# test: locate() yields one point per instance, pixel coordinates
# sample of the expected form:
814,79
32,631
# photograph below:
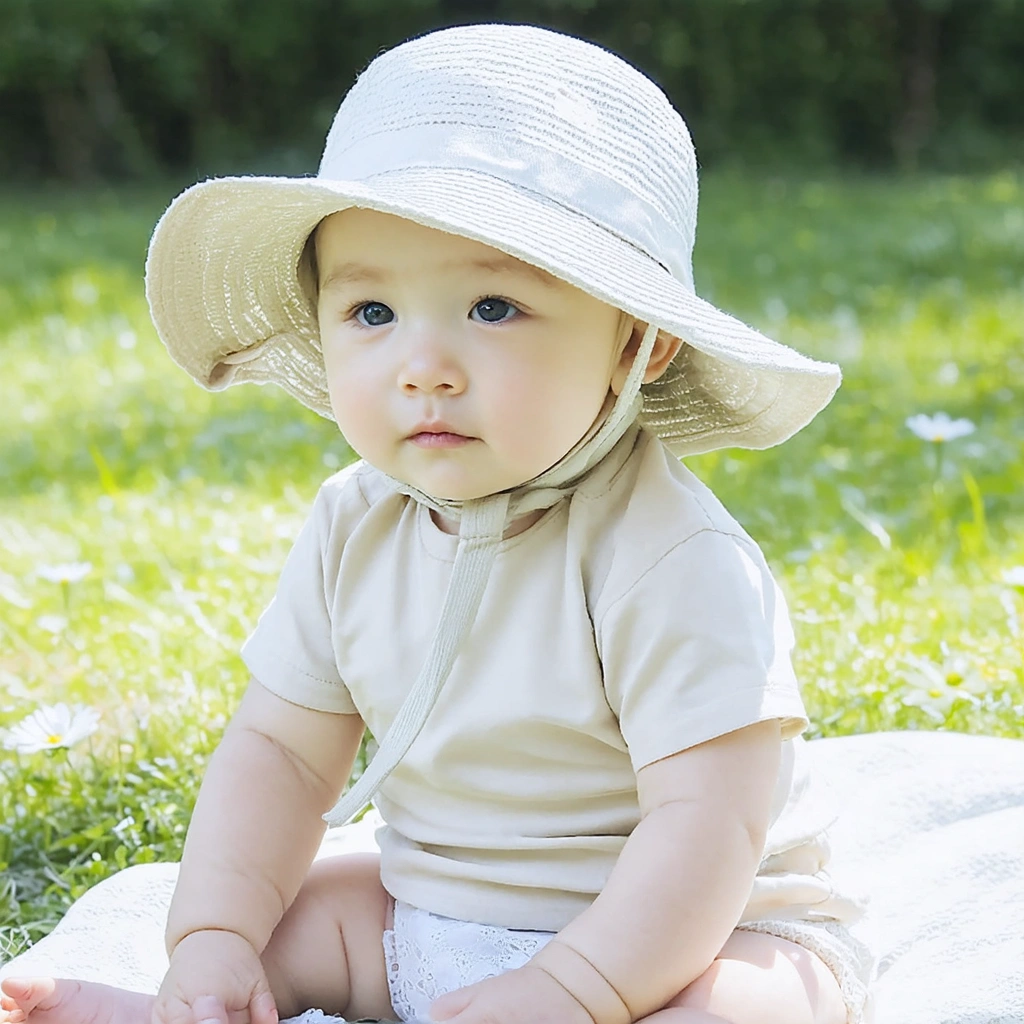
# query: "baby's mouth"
439,439
437,433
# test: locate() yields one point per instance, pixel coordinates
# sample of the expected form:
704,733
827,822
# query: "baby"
577,663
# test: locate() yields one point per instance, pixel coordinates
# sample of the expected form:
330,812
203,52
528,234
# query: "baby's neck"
517,526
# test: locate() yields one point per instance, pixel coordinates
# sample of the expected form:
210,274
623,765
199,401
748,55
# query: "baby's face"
425,331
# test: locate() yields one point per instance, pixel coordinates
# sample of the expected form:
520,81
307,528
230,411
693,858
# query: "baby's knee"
347,876
767,980
340,895
327,949
702,992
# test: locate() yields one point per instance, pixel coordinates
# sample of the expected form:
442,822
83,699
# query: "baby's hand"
215,977
524,996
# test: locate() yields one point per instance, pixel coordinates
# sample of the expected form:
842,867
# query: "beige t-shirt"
634,619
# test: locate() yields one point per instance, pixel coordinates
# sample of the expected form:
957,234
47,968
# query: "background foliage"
126,88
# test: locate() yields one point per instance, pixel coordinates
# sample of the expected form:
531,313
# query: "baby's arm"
254,832
257,821
681,882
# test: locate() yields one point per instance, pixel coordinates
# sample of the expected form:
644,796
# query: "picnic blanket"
932,827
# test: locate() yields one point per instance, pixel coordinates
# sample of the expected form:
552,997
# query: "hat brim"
224,292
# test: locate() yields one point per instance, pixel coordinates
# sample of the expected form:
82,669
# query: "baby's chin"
456,482
470,491
460,493
456,491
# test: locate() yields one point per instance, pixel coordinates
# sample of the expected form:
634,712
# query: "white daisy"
50,727
65,572
939,428
935,688
52,623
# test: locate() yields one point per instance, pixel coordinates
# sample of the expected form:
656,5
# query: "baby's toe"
10,1011
36,999
18,996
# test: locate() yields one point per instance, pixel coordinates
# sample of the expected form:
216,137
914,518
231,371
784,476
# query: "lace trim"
428,955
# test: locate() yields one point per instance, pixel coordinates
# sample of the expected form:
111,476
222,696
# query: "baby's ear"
665,348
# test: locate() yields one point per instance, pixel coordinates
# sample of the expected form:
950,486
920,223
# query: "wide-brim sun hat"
538,144
544,146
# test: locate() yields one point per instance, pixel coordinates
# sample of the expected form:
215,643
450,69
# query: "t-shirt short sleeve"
698,647
290,651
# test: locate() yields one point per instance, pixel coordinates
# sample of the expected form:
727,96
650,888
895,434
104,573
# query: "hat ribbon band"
550,175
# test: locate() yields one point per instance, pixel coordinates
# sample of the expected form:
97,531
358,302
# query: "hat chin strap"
482,523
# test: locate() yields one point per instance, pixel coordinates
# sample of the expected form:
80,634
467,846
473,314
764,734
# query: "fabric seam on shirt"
726,701
288,694
273,656
661,558
358,474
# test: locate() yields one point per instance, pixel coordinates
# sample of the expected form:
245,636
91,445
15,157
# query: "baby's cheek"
359,412
543,433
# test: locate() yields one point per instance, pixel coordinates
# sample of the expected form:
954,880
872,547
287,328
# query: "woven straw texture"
541,145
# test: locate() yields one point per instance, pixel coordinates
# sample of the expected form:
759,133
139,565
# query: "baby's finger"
171,1011
263,1009
452,1004
209,1010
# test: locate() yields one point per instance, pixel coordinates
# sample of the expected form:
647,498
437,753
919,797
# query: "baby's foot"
59,1001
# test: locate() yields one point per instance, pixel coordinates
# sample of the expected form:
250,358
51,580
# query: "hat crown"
556,115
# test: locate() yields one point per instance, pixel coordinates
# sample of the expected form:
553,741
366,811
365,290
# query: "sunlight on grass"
900,556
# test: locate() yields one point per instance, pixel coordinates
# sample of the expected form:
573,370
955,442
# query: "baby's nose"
430,366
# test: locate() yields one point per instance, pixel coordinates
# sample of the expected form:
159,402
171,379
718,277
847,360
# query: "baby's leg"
327,952
759,979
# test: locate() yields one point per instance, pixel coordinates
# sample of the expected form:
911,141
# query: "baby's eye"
374,314
493,311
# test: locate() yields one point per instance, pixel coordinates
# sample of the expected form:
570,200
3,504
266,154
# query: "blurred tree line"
131,88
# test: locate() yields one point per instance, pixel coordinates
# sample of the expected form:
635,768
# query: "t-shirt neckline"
444,545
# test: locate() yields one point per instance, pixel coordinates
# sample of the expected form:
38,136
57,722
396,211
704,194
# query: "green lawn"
891,549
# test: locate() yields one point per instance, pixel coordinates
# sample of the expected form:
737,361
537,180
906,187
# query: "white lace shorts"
428,955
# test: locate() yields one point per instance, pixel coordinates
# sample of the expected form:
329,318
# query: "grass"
891,549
